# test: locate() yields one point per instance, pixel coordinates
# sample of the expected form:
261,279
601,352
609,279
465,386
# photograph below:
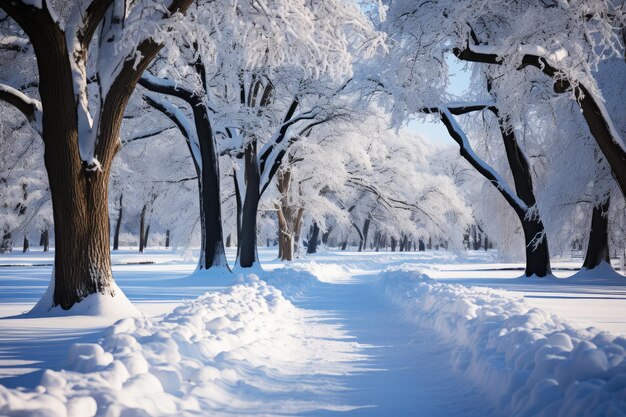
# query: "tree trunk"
145,237
118,224
229,241
248,253
313,241
394,242
46,239
239,210
326,235
212,247
598,246
366,228
360,236
142,223
25,245
537,254
79,191
167,238
344,245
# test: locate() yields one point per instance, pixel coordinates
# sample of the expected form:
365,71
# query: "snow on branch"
166,86
182,122
31,108
457,133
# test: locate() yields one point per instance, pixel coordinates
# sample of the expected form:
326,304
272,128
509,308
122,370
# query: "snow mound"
528,362
103,305
292,280
224,353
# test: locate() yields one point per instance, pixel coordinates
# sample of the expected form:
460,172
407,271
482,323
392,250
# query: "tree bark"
248,252
142,225
313,241
537,251
118,224
598,245
366,228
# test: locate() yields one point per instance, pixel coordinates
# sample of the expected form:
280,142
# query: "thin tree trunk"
145,237
598,245
537,252
394,242
366,228
118,224
46,239
167,238
25,245
142,223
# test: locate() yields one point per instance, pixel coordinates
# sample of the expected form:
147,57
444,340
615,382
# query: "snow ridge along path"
528,362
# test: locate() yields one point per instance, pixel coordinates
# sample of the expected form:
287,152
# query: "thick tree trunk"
79,192
118,224
82,263
313,241
248,253
598,245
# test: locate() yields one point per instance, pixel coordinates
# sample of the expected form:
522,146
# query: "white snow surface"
220,352
337,333
527,361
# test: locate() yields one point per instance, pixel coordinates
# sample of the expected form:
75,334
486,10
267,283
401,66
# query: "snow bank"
528,362
224,350
98,304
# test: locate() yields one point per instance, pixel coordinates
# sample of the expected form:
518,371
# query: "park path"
406,371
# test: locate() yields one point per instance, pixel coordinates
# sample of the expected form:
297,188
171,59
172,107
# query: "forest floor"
344,341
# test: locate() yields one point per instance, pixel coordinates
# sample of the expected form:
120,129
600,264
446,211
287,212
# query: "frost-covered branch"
181,121
168,87
31,108
457,133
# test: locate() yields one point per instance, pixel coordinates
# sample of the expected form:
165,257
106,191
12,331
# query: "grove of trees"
240,123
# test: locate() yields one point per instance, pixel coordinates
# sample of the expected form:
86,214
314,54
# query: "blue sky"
433,131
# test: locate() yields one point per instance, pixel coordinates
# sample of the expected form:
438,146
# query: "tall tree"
80,131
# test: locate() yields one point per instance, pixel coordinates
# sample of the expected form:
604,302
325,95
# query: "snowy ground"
339,346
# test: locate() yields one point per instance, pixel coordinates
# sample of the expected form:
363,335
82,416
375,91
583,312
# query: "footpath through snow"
353,343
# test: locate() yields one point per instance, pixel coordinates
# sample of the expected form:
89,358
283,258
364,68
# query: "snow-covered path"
343,346
407,371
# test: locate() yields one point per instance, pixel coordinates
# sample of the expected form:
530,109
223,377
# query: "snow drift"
528,362
223,353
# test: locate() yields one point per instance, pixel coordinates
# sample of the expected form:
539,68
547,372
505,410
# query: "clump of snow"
528,362
224,351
